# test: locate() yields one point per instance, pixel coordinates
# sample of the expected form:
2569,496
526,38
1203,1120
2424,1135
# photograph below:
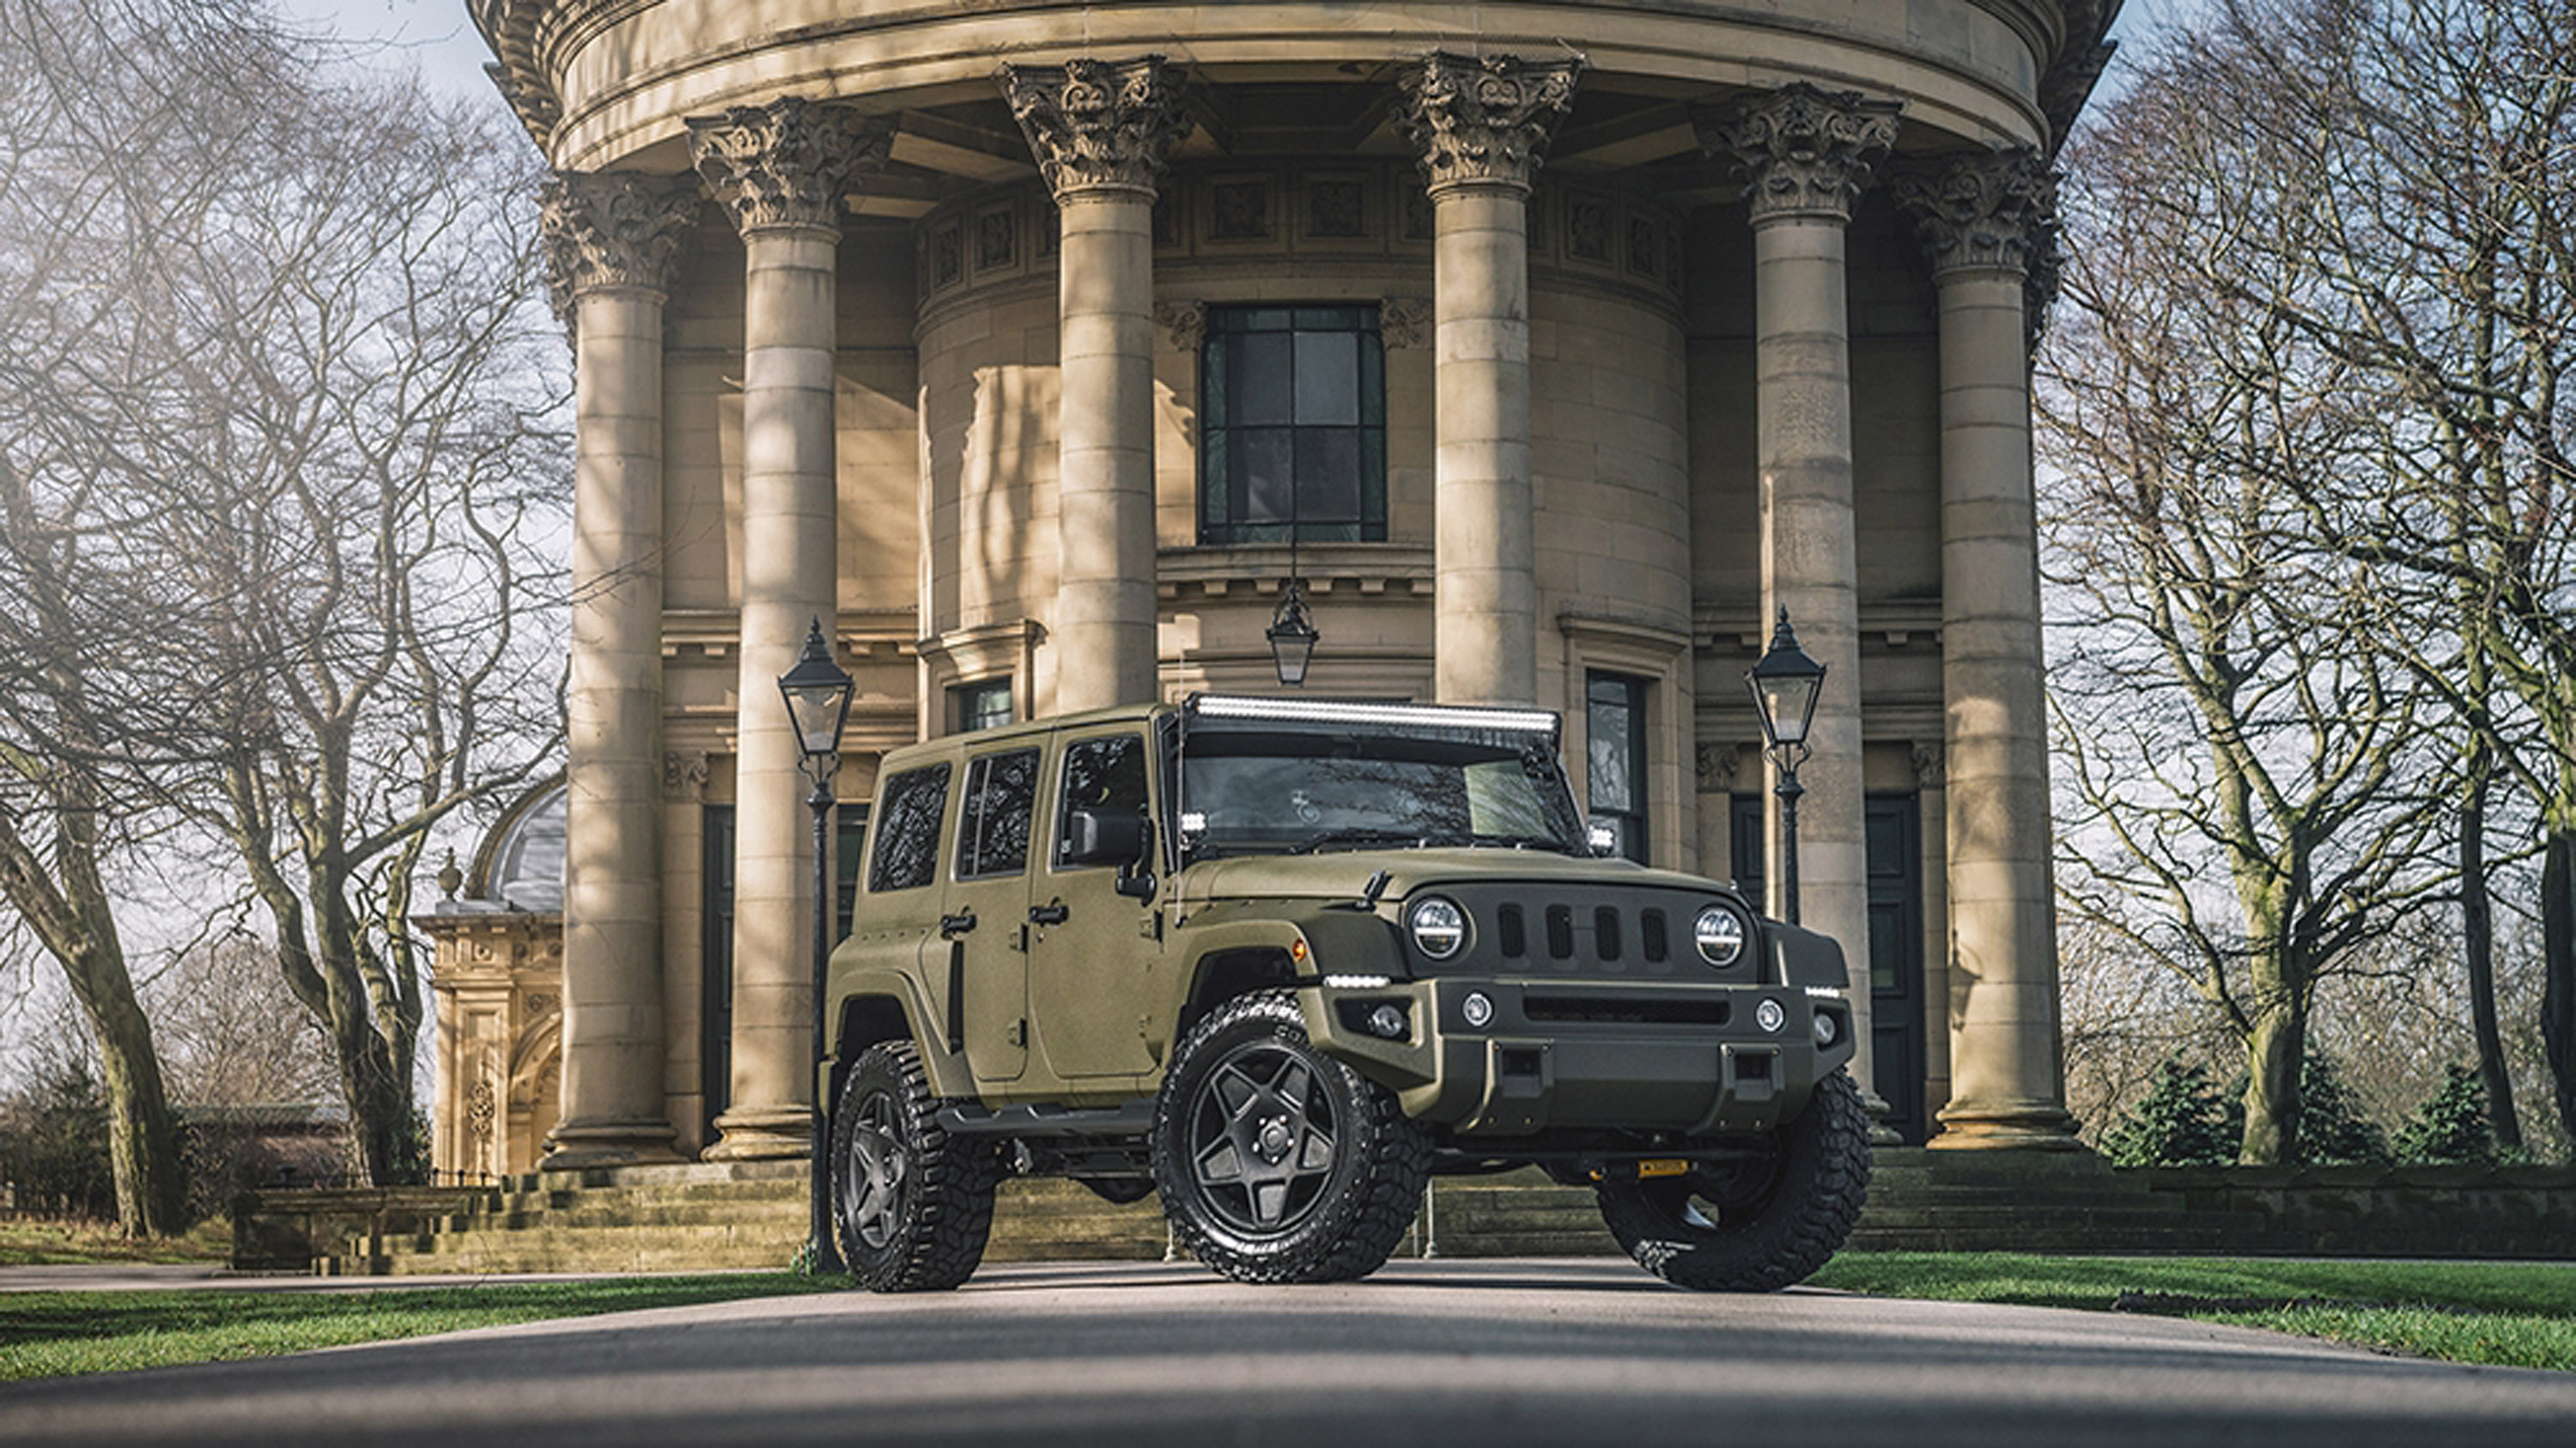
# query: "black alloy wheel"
1276,1163
913,1205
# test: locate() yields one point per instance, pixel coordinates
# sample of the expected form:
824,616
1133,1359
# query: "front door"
1092,950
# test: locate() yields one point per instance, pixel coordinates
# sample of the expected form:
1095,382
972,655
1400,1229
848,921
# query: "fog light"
1769,1016
1478,1008
1387,1021
1828,1030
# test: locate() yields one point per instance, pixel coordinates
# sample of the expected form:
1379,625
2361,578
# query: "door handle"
952,926
1055,914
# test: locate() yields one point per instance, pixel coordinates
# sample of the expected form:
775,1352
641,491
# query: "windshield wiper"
1365,835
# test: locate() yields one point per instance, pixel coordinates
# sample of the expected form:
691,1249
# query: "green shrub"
2332,1129
2179,1122
2452,1125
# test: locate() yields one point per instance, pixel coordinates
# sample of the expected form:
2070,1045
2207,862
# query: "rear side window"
993,835
1100,774
909,811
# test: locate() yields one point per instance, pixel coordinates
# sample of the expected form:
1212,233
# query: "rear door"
986,908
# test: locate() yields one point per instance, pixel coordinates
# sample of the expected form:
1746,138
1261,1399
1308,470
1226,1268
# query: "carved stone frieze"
605,229
1099,125
1719,767
684,777
1405,321
1994,211
791,163
1185,322
1803,151
1485,118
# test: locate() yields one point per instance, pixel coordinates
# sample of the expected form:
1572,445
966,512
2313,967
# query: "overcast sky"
432,36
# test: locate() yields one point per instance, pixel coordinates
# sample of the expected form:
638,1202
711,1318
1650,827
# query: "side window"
908,834
1103,774
993,836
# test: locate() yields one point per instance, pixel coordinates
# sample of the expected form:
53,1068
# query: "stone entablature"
1212,218
596,80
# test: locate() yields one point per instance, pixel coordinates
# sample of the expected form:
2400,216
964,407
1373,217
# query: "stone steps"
714,1216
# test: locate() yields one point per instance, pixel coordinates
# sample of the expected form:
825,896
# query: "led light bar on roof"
1420,716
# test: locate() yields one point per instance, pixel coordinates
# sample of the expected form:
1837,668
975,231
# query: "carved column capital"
1099,125
612,230
1484,119
1931,765
789,164
1804,152
1994,211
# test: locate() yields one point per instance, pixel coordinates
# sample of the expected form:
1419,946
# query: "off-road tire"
934,1207
1771,1229
1350,1174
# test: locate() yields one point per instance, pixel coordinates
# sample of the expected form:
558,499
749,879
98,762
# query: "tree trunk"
68,910
142,1135
2558,966
2477,942
2272,1057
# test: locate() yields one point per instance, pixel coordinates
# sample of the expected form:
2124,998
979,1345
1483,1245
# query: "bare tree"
86,113
311,409
2250,772
2404,175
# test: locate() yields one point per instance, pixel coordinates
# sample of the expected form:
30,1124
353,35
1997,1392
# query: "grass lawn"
2503,1313
58,1334
30,1242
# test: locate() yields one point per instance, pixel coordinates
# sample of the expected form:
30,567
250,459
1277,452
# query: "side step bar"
1135,1118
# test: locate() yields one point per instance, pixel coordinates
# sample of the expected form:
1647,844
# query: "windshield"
1293,791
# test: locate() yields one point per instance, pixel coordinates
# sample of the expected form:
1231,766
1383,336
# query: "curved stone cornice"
606,229
1804,152
1099,125
1485,119
788,164
1996,211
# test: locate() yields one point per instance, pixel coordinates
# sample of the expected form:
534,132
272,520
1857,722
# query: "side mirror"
1106,836
1136,877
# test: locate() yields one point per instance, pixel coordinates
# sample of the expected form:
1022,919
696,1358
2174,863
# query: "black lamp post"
817,692
1785,682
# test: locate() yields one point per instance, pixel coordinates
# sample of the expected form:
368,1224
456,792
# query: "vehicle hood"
1344,874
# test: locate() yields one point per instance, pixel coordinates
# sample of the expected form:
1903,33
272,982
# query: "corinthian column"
610,239
1806,155
1483,126
1985,221
783,171
1101,131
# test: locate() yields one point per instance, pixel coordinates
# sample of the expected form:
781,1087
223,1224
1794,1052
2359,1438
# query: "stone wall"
2402,1211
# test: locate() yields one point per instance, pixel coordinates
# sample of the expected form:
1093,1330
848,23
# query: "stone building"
1569,342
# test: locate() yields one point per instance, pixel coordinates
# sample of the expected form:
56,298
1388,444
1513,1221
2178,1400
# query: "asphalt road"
1489,1353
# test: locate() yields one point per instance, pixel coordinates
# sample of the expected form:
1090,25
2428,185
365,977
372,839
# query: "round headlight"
1439,927
1827,1029
1769,1016
1719,933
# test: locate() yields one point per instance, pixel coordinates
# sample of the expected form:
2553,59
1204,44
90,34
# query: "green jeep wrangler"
1279,960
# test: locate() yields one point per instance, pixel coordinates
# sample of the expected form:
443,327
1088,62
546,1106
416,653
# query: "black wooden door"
1895,853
